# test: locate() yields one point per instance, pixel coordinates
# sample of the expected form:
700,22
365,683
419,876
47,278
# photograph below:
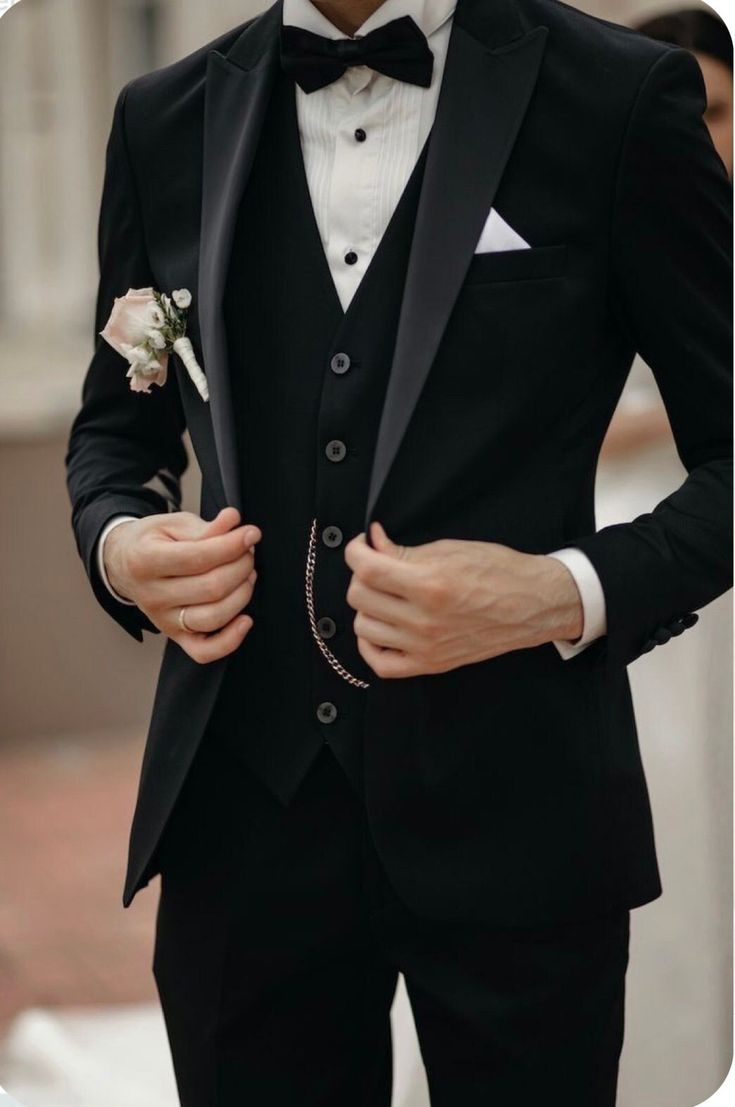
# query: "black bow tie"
398,49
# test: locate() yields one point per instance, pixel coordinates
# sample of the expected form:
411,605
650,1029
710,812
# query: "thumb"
226,520
186,526
383,543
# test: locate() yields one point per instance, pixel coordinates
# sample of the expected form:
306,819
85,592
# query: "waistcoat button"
326,713
340,363
327,627
332,537
336,450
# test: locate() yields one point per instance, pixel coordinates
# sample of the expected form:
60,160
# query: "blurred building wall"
62,64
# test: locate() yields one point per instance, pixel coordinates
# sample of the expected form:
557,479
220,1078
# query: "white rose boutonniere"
145,327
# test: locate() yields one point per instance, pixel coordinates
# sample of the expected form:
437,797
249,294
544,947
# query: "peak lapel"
237,90
485,92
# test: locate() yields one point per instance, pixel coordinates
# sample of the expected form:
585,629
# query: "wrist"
113,557
564,611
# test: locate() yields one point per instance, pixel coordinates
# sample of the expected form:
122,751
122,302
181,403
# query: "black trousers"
278,946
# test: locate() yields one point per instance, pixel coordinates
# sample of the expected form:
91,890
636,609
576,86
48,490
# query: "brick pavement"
65,940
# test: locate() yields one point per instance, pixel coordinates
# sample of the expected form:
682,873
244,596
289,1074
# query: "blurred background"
79,1025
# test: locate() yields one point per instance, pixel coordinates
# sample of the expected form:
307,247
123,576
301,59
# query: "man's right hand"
165,562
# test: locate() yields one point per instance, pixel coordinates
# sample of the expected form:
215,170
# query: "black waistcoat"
308,385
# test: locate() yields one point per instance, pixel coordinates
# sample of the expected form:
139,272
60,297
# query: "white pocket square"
499,235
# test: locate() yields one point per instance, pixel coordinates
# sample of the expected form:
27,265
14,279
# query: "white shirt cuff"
594,612
109,526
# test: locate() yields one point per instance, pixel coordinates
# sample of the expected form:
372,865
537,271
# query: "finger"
205,618
381,605
185,524
190,558
383,543
205,648
204,588
378,633
388,664
225,520
382,571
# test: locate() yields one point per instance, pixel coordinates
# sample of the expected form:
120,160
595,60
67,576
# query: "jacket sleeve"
125,453
671,273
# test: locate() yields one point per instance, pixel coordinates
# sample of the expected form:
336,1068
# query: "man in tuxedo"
393,729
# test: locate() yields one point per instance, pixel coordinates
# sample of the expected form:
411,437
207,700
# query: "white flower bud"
182,298
156,338
138,355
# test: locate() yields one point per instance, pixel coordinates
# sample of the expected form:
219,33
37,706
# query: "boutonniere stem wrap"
145,326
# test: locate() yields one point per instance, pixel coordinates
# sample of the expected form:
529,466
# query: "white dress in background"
409,1079
678,1007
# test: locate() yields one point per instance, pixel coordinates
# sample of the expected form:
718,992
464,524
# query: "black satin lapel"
483,99
235,103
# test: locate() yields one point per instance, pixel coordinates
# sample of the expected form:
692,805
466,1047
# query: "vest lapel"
236,97
491,70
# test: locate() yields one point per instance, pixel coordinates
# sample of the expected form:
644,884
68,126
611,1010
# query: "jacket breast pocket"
535,263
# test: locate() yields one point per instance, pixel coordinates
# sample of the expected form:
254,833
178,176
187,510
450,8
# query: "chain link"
326,652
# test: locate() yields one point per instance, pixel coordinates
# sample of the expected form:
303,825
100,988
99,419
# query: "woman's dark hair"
695,29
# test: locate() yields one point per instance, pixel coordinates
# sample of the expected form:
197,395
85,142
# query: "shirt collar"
428,15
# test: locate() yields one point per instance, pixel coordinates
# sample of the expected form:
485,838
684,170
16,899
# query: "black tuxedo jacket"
510,790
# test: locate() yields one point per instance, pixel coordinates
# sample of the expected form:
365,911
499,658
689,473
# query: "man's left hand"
431,608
